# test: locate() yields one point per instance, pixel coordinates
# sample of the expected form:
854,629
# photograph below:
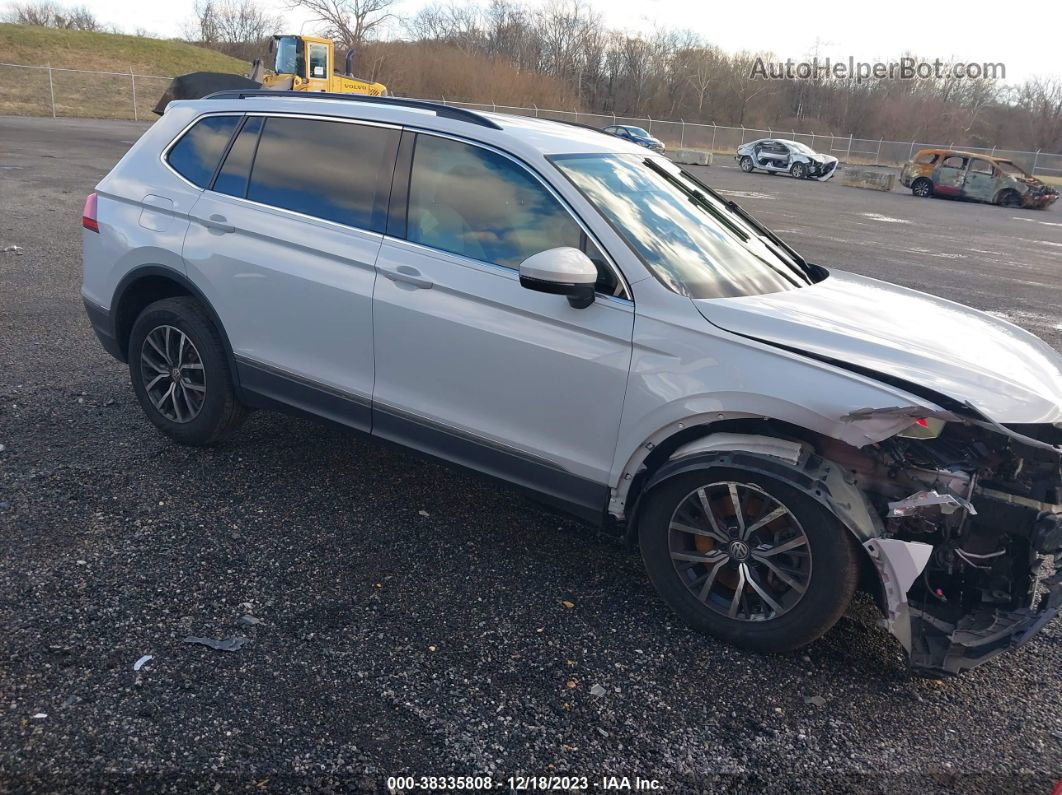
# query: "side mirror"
561,271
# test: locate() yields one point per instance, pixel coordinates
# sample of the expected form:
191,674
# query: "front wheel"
1009,198
746,164
180,373
747,558
799,170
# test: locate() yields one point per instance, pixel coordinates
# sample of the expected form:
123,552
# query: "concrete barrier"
867,178
692,157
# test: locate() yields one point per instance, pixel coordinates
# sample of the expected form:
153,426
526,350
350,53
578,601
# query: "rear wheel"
746,164
180,373
747,558
799,170
922,188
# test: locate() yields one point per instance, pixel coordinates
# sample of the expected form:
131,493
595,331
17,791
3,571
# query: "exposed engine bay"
978,509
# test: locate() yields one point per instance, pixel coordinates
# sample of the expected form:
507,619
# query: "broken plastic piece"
948,503
233,643
142,662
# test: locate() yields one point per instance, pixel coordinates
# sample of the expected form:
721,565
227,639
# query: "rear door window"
333,170
232,179
196,154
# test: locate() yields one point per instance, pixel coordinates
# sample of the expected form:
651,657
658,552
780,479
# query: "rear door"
284,244
474,368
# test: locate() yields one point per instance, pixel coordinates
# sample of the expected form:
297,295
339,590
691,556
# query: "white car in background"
579,317
780,156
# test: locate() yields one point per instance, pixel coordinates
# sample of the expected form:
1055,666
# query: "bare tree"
352,22
234,22
48,14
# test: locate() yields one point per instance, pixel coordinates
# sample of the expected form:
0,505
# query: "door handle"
217,222
407,275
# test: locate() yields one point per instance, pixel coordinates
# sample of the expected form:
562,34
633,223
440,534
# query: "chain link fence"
46,90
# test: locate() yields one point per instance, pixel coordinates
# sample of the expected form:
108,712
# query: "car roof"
522,135
962,153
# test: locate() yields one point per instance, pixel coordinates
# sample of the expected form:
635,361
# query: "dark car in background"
635,135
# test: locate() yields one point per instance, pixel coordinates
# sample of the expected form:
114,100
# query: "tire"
922,188
799,170
746,164
1009,198
825,563
200,409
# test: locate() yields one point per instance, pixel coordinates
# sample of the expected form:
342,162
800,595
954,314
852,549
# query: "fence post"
613,118
533,105
877,155
813,140
910,153
742,134
714,131
682,136
51,89
1036,159
650,123
133,78
848,157
444,99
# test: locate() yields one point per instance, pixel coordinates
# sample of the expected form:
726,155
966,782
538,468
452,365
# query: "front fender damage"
964,529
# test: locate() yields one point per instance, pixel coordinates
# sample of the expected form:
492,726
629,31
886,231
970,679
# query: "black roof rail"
444,111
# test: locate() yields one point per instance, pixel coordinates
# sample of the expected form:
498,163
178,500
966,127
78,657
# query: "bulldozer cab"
301,63
308,63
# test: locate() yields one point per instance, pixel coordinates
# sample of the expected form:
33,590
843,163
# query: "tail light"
88,215
924,428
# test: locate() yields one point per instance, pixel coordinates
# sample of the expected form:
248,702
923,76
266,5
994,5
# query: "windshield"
689,238
800,147
286,62
1009,168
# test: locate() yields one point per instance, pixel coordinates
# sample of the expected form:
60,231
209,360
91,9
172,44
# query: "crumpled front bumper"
937,647
1038,201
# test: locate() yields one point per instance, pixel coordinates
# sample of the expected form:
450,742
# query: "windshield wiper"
700,200
750,219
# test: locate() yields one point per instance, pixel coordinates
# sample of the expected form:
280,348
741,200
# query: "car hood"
1007,373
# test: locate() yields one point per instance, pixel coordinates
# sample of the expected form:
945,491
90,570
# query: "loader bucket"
200,84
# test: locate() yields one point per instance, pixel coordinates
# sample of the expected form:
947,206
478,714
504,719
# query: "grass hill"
27,91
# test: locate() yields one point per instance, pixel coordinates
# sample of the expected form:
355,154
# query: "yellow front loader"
300,63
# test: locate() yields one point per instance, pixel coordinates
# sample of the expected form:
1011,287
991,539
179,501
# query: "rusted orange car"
966,175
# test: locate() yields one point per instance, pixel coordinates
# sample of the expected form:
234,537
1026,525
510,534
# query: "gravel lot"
411,619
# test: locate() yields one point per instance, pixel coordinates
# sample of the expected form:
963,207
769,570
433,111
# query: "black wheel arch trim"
146,271
820,479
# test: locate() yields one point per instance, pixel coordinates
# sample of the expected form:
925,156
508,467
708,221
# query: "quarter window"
476,203
926,159
333,170
196,155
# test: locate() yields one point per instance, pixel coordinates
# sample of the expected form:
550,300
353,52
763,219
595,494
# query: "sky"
973,31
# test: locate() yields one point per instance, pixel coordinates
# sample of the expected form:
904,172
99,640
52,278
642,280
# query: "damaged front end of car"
969,550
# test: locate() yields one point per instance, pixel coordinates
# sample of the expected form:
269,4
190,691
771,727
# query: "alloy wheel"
740,551
173,374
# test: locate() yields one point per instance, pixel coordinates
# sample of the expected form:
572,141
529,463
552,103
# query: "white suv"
567,312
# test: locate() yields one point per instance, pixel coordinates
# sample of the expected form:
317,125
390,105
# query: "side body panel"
516,369
295,293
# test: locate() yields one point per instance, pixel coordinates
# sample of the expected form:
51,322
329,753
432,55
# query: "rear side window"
930,157
333,170
483,206
233,177
196,154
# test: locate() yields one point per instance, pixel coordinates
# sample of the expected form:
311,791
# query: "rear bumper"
103,325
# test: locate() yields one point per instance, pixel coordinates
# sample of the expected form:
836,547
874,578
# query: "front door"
949,176
287,257
476,369
318,69
980,181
